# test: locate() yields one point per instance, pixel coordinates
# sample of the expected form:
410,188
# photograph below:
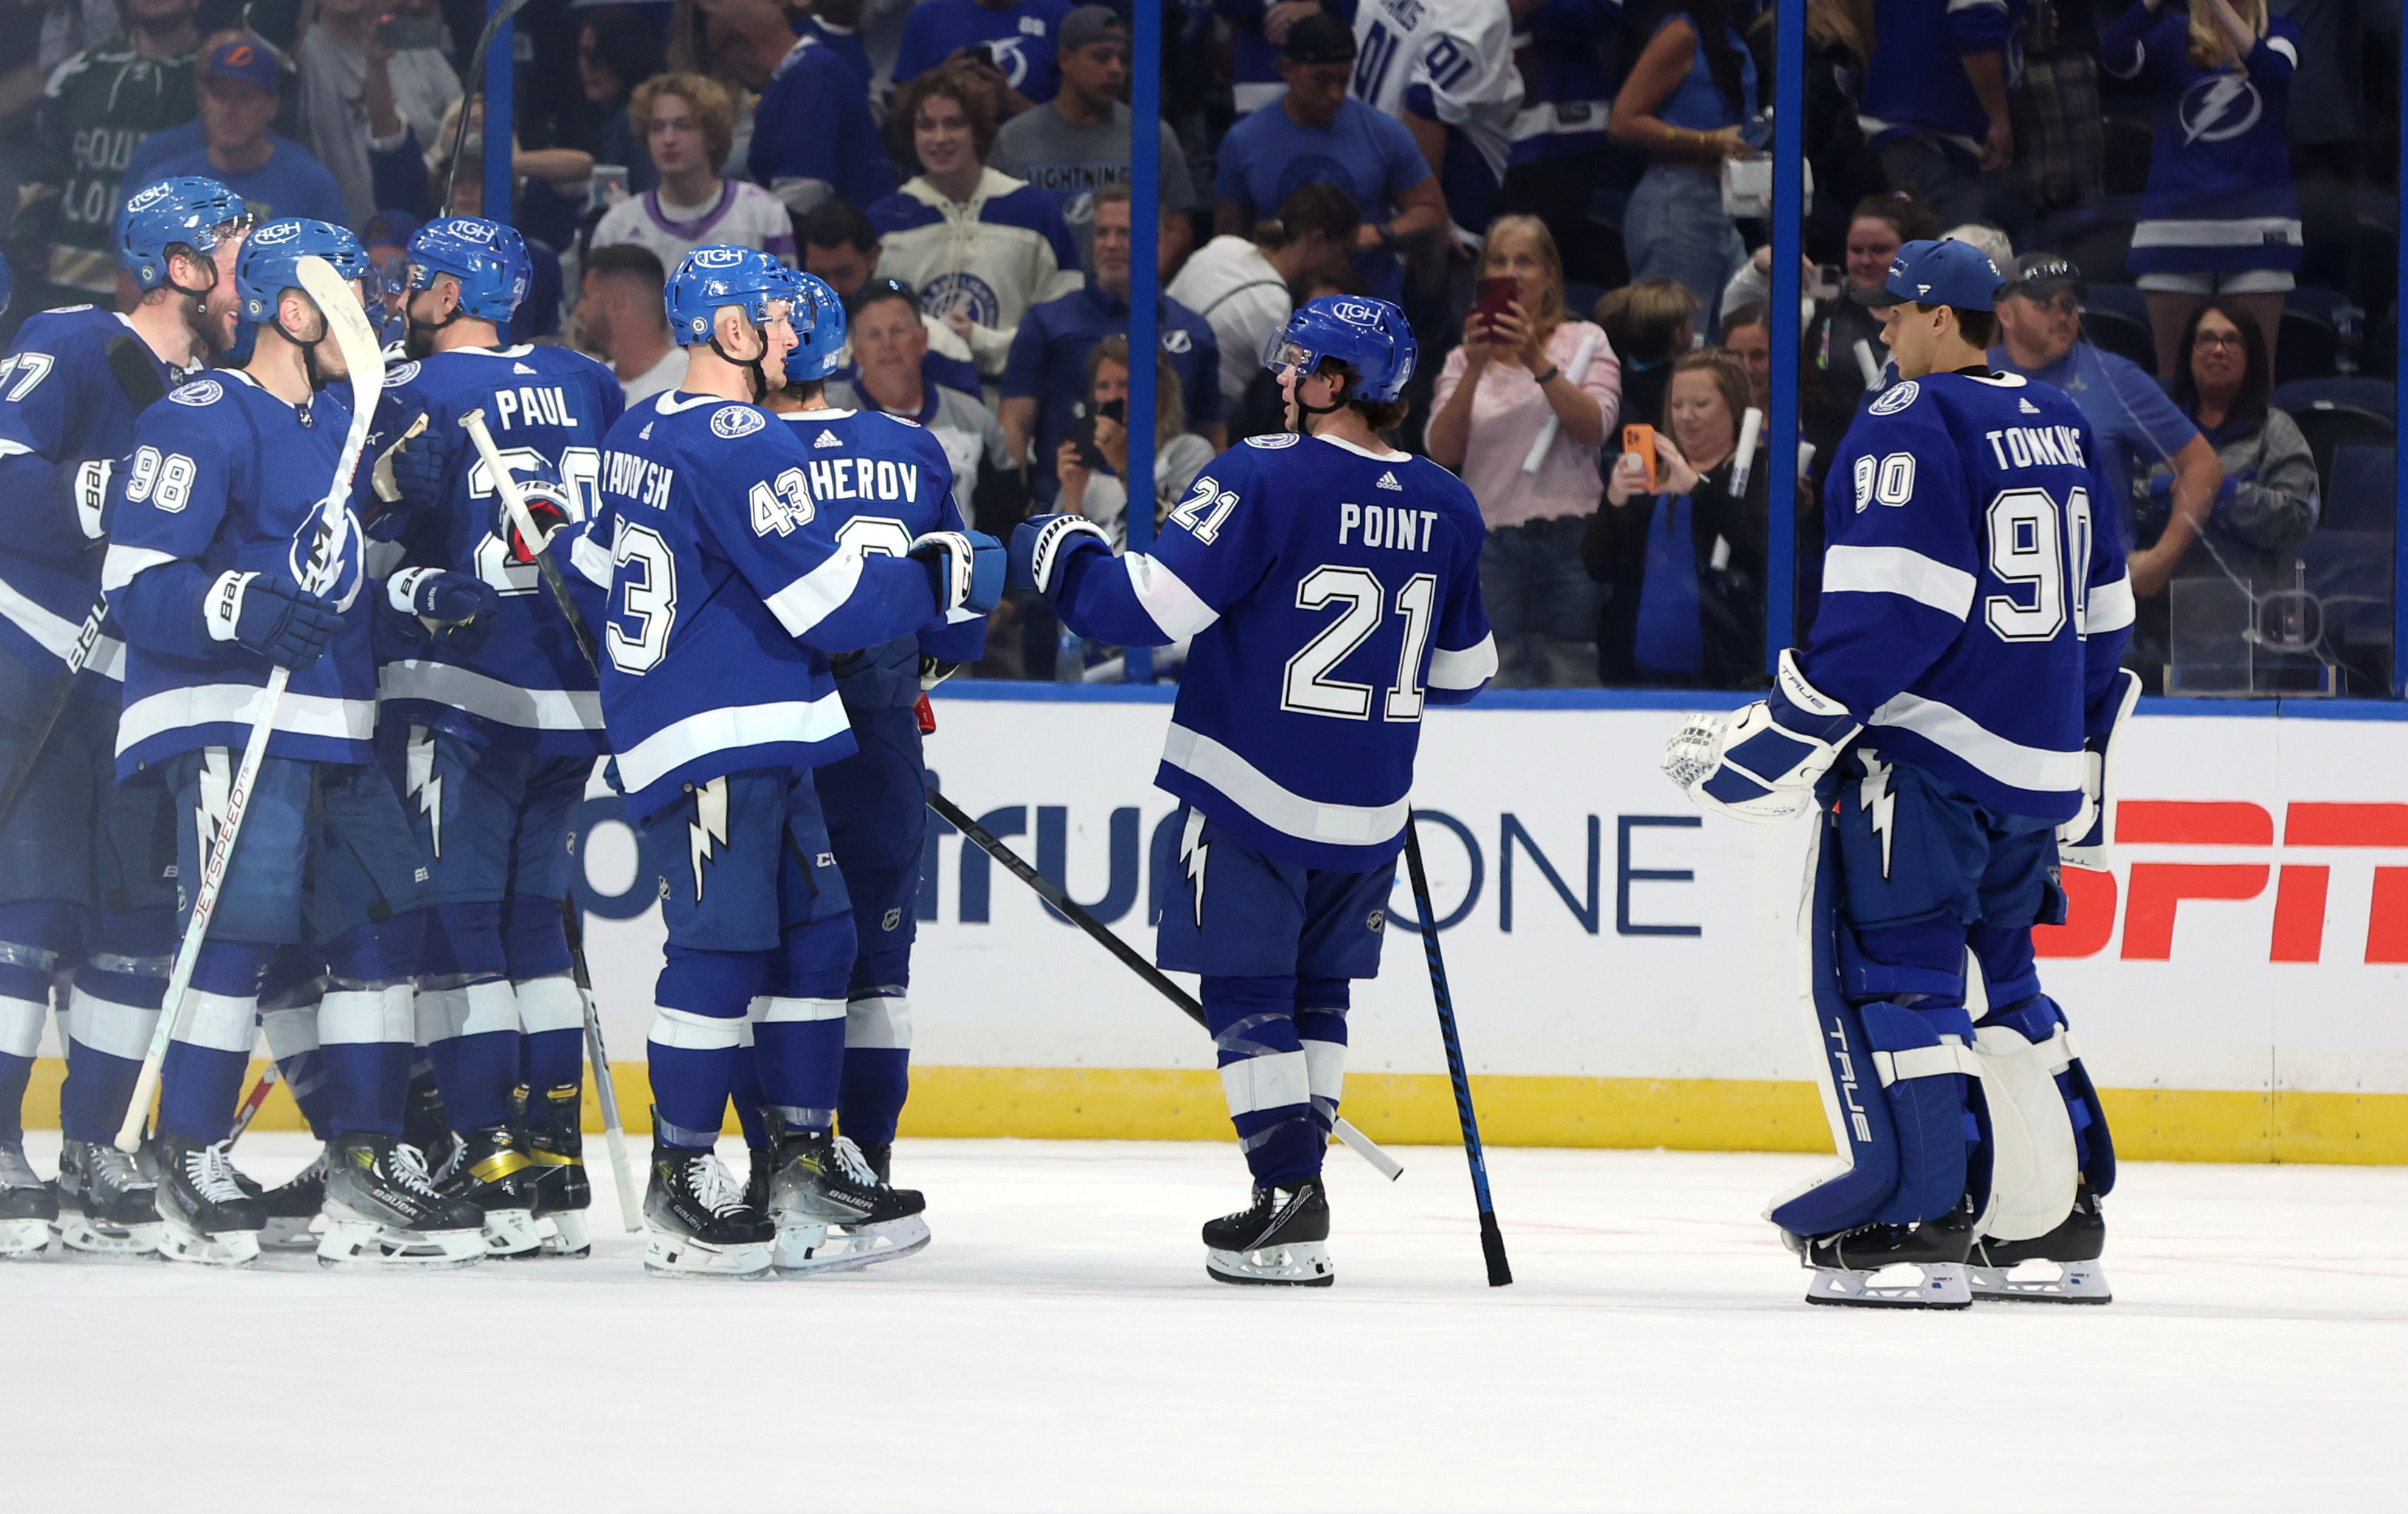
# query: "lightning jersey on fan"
854,455
64,422
224,476
729,590
1450,62
527,687
1331,593
1974,599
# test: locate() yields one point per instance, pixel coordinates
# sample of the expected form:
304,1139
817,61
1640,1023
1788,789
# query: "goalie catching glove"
1761,762
965,570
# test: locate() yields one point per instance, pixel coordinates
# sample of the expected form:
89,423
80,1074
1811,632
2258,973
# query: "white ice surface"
1059,1348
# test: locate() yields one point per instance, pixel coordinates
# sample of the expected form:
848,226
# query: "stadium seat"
2115,317
2319,337
2337,412
2364,495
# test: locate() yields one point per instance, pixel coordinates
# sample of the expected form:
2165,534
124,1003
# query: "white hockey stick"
347,322
631,1215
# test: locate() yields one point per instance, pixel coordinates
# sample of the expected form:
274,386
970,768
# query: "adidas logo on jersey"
2026,407
1388,481
827,438
521,367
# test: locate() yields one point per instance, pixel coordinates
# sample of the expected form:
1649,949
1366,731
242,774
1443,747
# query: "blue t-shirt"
844,41
290,183
1670,639
1916,81
175,142
1267,157
1700,104
2137,427
1049,364
813,121
1024,37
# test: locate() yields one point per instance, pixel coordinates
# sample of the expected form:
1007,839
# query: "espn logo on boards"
2153,891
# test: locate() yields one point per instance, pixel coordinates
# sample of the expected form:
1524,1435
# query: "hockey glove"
1041,544
282,622
459,608
2084,841
1760,763
550,507
965,571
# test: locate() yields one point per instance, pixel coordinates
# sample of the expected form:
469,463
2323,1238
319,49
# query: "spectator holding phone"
1093,460
1527,381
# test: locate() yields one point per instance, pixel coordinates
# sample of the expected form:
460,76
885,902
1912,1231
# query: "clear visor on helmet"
776,309
232,229
1283,354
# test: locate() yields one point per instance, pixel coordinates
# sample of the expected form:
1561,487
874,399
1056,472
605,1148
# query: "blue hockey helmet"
488,257
819,329
1371,336
198,212
709,278
271,259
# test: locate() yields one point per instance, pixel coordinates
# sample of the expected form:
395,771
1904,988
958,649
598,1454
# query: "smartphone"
981,52
403,32
1115,411
1640,442
1083,435
1490,297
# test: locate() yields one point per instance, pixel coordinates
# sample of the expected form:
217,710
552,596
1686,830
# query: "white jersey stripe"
729,729
2010,763
2110,608
215,704
1467,667
1290,813
1174,606
1901,571
57,636
819,593
465,689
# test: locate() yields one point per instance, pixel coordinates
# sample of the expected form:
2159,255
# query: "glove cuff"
401,591
222,606
1057,541
1796,706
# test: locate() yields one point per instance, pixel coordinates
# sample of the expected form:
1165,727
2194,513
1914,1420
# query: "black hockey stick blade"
475,93
1492,1240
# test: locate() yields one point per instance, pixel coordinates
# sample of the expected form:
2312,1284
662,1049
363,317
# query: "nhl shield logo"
733,420
1376,922
893,918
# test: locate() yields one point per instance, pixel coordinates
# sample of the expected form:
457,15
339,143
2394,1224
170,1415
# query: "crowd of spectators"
2189,203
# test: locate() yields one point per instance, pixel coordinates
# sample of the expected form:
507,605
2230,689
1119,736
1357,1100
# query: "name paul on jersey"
534,406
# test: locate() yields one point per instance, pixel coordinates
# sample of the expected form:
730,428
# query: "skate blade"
1301,1264
179,1242
564,1233
99,1242
846,1248
23,1240
683,1257
359,1244
511,1235
291,1233
1901,1285
2073,1282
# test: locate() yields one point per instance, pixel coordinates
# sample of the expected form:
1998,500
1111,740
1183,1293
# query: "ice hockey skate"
209,1217
493,1172
295,1207
2060,1267
108,1205
384,1211
27,1206
1911,1266
556,1145
1280,1239
698,1222
832,1212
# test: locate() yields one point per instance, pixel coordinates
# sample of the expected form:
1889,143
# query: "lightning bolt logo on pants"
428,785
1880,804
707,828
1194,851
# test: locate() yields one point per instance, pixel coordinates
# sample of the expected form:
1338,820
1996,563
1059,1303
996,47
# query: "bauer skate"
556,1145
1280,1239
28,1207
382,1211
295,1207
208,1218
493,1172
108,1207
832,1212
698,1222
2021,1270
1913,1266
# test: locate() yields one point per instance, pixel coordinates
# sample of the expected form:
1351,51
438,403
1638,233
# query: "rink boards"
1623,967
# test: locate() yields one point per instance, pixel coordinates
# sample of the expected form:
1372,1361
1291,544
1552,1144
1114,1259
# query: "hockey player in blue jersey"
1950,720
729,590
214,517
1332,587
883,481
83,887
495,744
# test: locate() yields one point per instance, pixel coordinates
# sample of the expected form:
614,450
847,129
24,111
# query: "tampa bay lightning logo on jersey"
966,292
199,391
346,551
1008,58
733,420
1895,399
401,375
1175,340
2219,107
1276,440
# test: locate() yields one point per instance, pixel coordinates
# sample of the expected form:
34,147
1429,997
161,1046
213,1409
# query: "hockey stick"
523,521
631,1216
1492,1240
475,93
347,322
251,1105
986,841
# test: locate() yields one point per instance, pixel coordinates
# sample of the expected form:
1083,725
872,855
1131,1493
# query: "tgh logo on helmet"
275,233
1361,315
719,257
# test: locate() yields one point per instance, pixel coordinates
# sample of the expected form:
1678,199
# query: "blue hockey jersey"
1331,593
61,409
729,589
527,687
2219,196
847,448
1974,599
1914,83
226,477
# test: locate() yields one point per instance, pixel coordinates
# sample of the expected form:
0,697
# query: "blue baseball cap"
247,59
1956,274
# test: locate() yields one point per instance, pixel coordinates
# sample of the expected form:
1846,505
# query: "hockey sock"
464,955
1253,1026
33,935
744,1084
365,1025
551,1032
201,1081
112,1017
877,1062
1320,1004
799,1037
288,1015
692,1058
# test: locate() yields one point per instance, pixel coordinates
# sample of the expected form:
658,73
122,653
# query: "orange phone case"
1641,439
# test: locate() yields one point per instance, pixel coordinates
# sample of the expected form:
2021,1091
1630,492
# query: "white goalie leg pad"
880,1023
2034,1163
549,1003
